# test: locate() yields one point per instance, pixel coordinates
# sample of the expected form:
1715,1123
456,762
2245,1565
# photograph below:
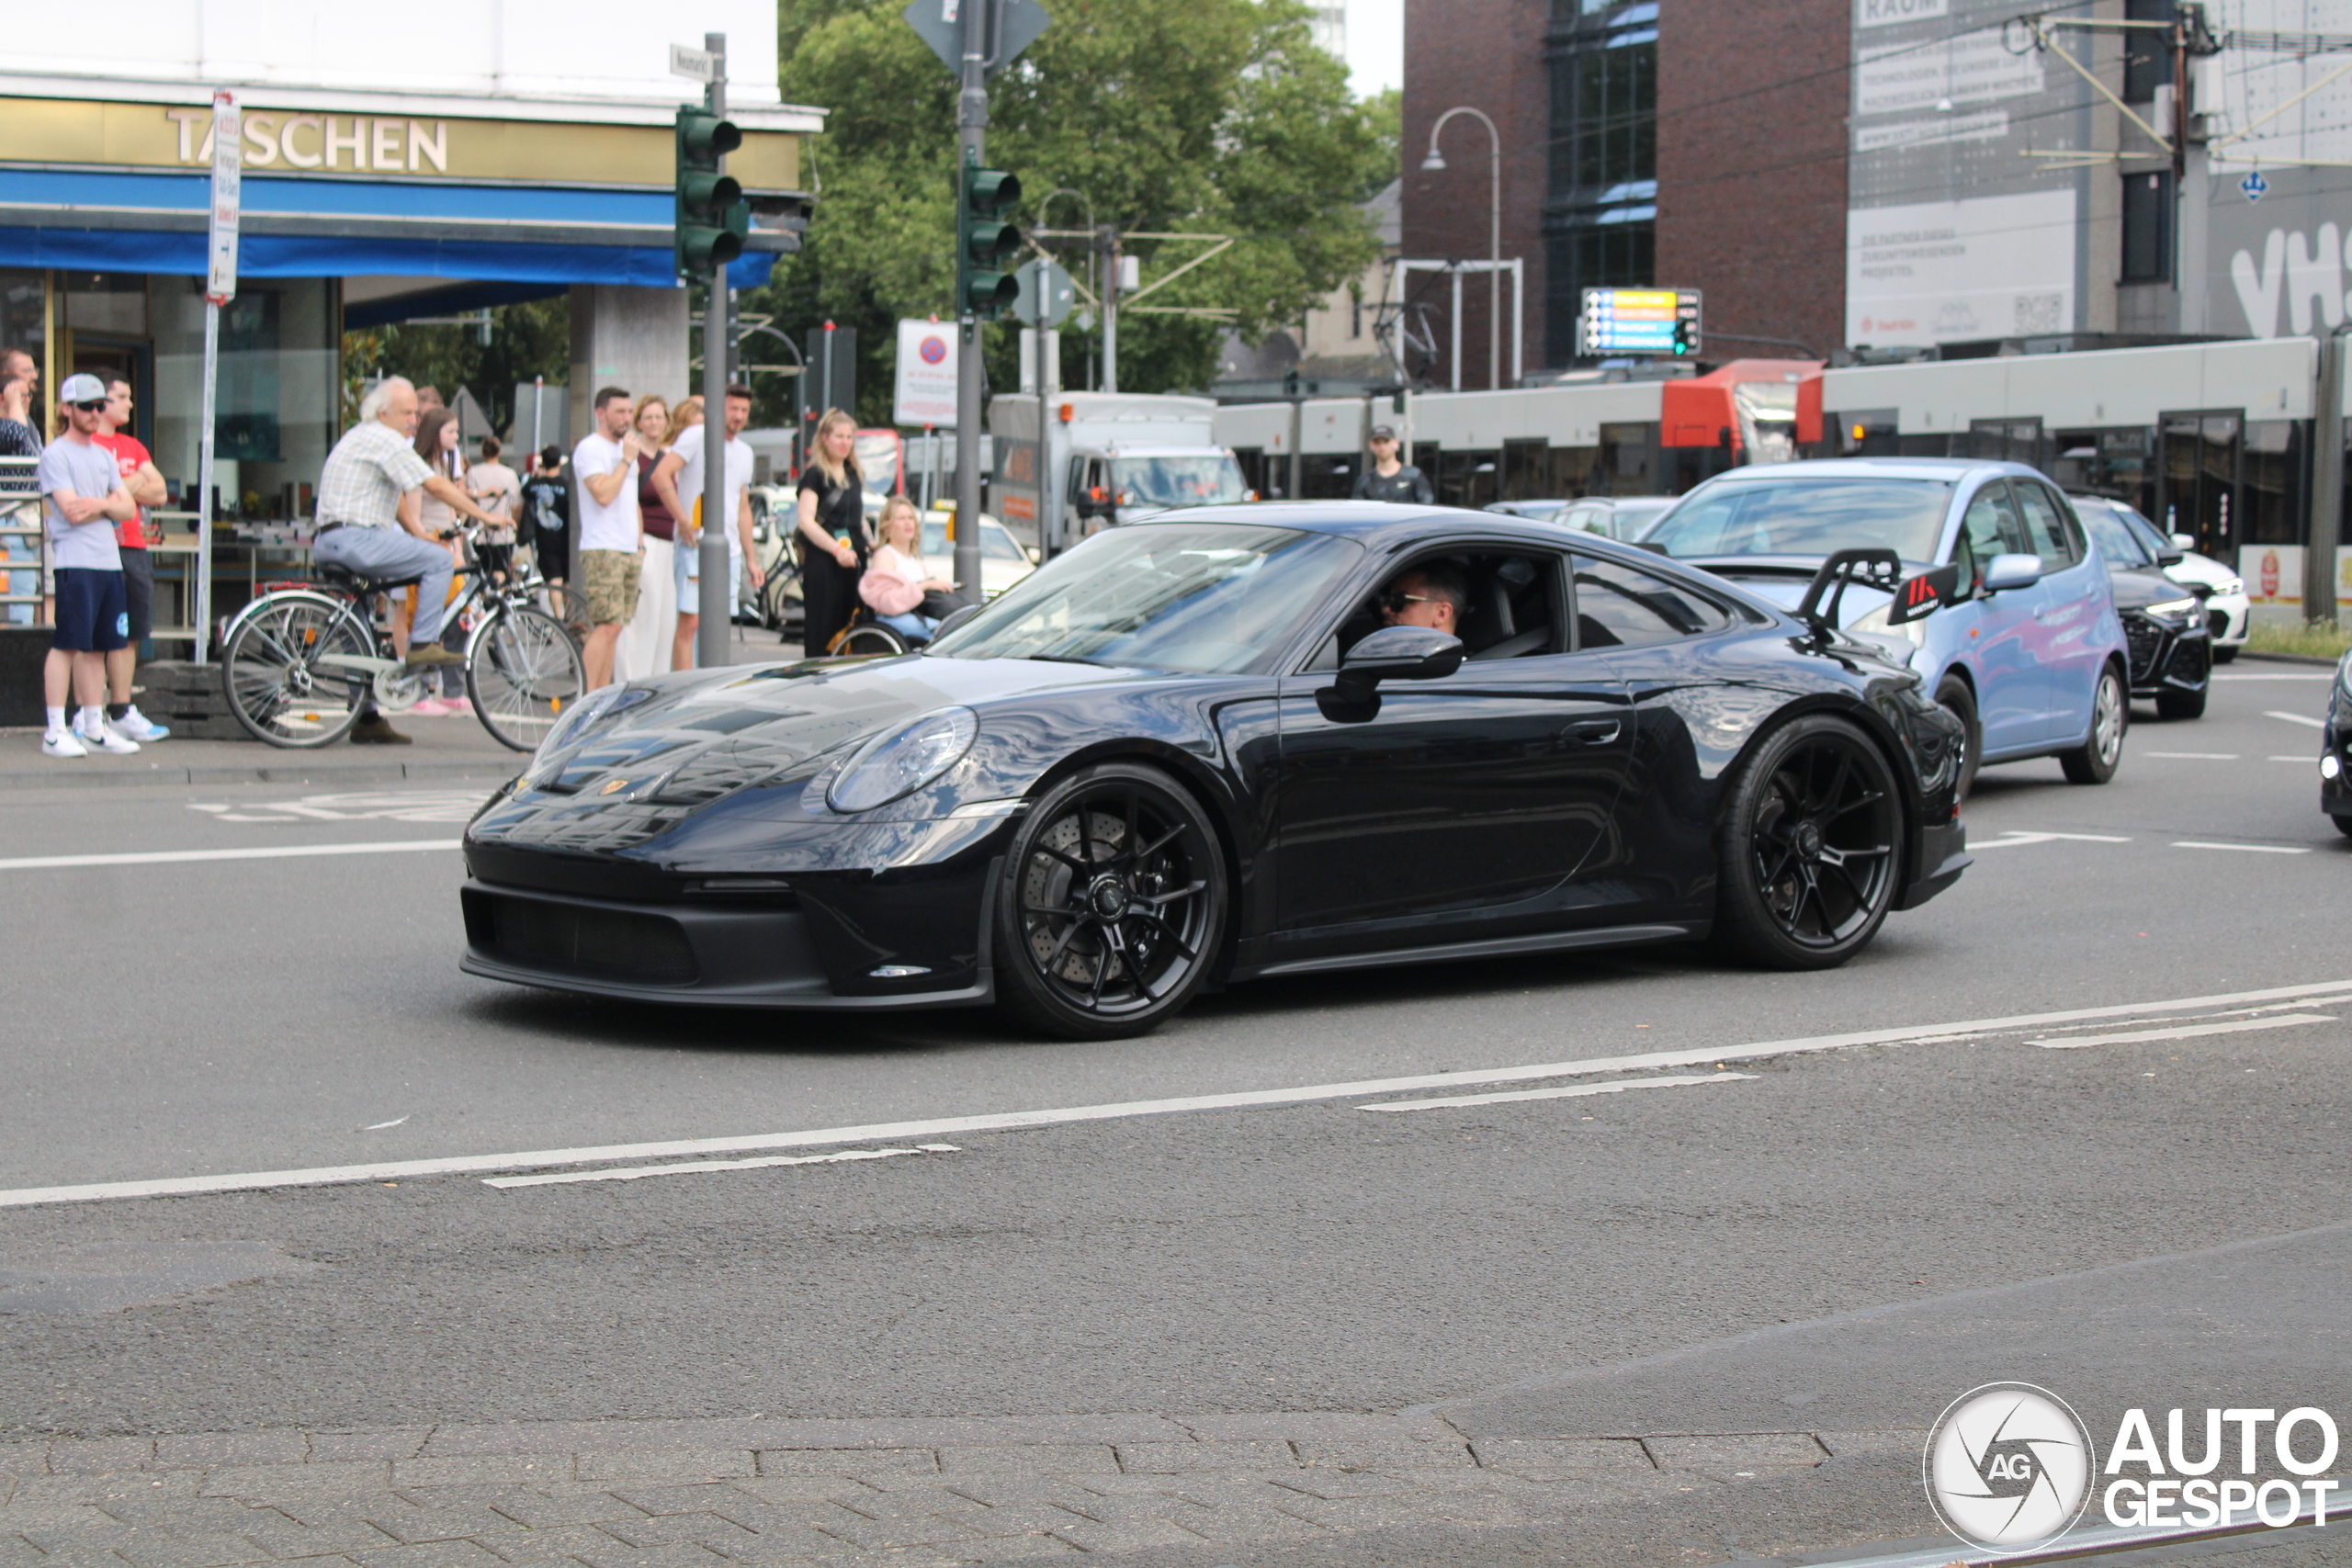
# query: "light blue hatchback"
2026,650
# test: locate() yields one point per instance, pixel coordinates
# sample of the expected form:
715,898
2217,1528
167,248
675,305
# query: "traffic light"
985,243
713,217
1686,338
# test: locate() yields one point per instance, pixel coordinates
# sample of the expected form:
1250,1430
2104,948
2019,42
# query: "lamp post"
1435,163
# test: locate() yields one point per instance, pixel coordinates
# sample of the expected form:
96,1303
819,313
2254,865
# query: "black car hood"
2137,586
686,739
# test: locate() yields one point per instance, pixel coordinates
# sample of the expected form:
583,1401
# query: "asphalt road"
1844,1239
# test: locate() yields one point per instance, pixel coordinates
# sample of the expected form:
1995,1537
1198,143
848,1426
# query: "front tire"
2094,762
2343,825
1953,694
295,671
2223,655
1112,907
1809,848
2180,704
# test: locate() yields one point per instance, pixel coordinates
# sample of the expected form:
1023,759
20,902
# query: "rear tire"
1953,696
1810,848
2223,655
279,673
2094,762
1112,907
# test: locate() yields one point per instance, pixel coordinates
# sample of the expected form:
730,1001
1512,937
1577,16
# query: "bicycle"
300,661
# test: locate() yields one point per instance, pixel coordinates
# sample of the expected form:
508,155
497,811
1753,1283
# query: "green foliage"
1216,117
533,338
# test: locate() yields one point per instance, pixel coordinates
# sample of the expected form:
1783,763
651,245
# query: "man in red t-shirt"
140,477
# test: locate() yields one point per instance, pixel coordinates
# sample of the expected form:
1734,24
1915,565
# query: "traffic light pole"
971,136
715,603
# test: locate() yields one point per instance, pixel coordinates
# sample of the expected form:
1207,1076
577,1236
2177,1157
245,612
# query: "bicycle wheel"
296,669
780,596
522,672
568,608
866,642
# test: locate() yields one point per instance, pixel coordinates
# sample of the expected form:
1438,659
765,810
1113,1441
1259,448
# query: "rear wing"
1916,597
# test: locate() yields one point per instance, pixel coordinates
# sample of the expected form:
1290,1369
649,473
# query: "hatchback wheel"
2094,760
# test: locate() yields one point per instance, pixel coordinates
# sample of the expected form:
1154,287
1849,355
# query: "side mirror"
2186,541
2171,557
2008,571
1401,653
953,621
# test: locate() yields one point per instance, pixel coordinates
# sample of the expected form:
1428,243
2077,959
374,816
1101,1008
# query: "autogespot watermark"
2010,1467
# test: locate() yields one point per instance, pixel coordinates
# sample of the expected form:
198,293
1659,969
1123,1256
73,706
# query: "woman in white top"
436,443
896,579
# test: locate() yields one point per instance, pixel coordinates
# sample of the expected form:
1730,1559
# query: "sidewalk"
451,747
848,1492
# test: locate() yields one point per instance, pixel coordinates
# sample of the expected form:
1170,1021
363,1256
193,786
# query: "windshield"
877,459
2115,541
995,543
1808,517
2155,542
1213,481
1205,598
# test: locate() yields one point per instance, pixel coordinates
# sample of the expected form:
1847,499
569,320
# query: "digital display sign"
1639,321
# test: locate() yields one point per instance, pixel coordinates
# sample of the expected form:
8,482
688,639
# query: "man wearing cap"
371,525
1387,478
82,500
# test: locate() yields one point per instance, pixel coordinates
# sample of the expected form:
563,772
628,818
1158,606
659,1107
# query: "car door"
2075,597
1993,635
1462,800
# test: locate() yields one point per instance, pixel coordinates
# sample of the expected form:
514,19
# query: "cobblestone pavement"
705,1494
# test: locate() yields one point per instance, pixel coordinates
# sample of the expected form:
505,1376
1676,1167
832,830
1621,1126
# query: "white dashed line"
2183,1032
2016,837
2249,849
2195,756
2306,761
1571,1092
2296,719
179,857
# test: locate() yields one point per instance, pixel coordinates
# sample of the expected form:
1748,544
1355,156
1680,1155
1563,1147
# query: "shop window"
1467,478
114,303
2272,490
1574,470
2147,227
1327,477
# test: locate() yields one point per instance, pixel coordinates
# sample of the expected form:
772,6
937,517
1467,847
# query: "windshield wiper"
1064,659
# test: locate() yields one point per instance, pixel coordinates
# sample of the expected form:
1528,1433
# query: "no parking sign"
926,390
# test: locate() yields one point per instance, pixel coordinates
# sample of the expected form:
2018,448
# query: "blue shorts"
93,613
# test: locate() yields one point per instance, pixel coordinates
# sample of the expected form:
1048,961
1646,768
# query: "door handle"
1592,731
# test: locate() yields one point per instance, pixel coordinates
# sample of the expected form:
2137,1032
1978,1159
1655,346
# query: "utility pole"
971,141
716,602
1106,241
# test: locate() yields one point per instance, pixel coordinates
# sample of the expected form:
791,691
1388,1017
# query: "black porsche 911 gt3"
1195,750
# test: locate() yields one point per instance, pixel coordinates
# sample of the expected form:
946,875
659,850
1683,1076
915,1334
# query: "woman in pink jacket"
902,594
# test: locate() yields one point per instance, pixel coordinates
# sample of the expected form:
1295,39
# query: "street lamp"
1435,163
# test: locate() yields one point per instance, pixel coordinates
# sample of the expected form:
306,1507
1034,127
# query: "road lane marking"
2017,836
2186,1031
2296,719
2195,756
682,1167
2249,849
2315,675
270,852
394,1171
1571,1092
2307,762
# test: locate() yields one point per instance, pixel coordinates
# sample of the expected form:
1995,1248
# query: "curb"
57,777
2317,661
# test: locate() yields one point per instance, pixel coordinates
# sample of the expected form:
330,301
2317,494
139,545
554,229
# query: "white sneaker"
106,739
136,725
62,743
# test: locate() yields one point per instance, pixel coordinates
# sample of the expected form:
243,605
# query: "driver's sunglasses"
1395,603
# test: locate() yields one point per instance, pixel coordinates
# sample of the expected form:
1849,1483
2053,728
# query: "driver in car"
1432,596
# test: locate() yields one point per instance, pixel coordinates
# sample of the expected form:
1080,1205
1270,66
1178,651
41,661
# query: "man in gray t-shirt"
82,498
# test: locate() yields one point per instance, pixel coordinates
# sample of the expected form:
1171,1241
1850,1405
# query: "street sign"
1639,321
2255,186
1059,295
925,392
228,182
940,23
694,64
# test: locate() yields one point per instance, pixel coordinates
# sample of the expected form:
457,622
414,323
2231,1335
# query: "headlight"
2175,609
2229,585
2344,675
573,724
1912,632
900,762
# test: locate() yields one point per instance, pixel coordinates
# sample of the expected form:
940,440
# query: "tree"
1210,116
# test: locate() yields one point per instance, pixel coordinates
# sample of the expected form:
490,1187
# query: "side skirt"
1498,947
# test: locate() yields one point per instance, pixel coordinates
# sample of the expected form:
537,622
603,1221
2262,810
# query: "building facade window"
1601,195
2147,227
2147,53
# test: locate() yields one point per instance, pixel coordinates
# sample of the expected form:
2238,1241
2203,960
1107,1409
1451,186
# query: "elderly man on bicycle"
371,522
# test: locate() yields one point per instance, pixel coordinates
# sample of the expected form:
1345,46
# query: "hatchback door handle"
1592,731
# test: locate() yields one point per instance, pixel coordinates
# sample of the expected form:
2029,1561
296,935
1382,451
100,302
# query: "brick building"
1696,143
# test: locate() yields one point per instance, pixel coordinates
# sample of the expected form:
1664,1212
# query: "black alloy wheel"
1810,847
1111,905
1954,697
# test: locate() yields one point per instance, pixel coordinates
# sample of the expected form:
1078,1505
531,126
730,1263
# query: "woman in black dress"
832,531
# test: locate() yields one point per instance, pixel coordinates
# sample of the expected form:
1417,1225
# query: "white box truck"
1109,458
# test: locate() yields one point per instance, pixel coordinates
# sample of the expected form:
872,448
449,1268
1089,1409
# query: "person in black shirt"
832,532
547,516
1386,479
